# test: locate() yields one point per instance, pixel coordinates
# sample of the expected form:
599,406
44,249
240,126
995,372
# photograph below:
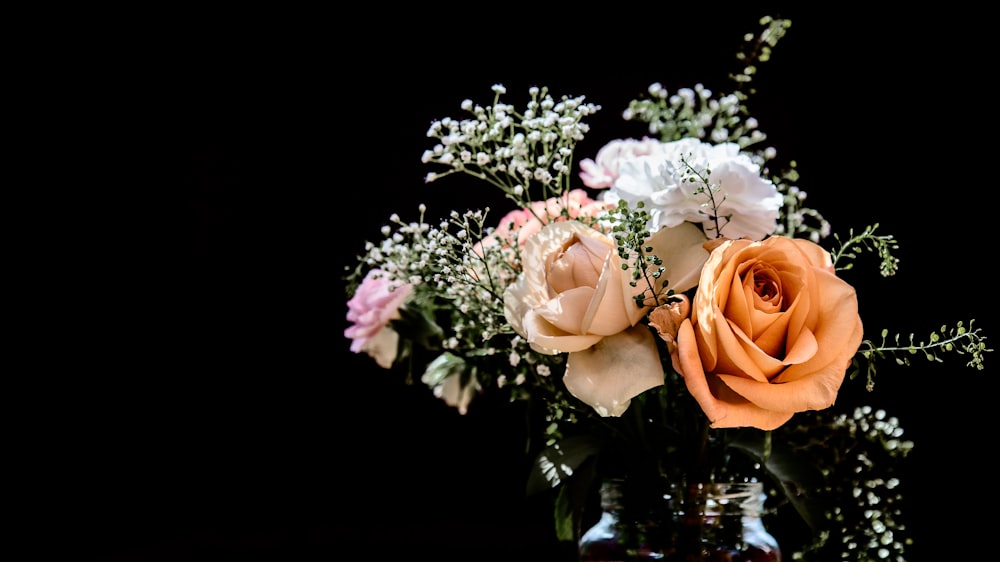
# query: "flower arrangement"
669,308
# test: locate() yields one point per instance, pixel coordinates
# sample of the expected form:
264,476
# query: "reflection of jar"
723,522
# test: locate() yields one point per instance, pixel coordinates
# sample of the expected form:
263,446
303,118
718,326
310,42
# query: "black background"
199,401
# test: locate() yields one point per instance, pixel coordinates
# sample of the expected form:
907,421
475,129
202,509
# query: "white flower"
661,174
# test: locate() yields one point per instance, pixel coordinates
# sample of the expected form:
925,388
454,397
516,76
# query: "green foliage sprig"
757,49
710,190
956,339
795,219
882,244
630,233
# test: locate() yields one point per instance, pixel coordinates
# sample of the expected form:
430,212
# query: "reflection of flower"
684,320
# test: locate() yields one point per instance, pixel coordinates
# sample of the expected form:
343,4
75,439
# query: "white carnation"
660,177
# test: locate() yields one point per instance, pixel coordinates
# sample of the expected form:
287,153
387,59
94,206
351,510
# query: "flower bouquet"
669,308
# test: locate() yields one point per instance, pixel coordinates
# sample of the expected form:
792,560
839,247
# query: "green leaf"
442,367
571,501
416,325
559,461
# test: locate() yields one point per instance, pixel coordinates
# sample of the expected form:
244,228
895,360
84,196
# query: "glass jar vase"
700,522
633,525
722,522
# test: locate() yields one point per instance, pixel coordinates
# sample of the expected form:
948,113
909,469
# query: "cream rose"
772,332
574,297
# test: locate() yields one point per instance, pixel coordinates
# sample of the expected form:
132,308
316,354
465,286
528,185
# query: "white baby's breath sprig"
861,452
698,174
528,154
794,218
695,112
459,271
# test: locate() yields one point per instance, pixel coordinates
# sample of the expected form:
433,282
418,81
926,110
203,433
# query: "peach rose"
574,297
772,332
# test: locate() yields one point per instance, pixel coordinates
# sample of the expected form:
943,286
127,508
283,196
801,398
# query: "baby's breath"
794,218
528,154
695,112
861,452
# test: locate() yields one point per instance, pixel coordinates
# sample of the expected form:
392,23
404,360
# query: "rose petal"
382,347
456,395
841,330
749,415
683,253
689,363
616,369
568,310
667,318
545,338
580,264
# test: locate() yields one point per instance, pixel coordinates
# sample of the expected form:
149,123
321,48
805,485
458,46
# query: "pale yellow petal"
683,253
546,338
613,371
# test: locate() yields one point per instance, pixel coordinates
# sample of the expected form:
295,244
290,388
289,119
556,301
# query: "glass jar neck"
722,498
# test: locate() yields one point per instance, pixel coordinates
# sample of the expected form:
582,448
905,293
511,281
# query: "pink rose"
772,332
603,171
525,223
574,297
373,306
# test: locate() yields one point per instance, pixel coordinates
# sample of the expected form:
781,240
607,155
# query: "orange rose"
772,332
